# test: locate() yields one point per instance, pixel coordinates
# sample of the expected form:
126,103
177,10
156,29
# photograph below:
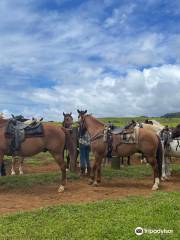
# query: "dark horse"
176,132
52,140
147,143
73,131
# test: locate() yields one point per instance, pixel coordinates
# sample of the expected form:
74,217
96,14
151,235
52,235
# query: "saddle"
18,131
128,134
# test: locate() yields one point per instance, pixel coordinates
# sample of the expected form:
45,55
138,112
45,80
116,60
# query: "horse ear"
63,114
78,111
70,113
85,111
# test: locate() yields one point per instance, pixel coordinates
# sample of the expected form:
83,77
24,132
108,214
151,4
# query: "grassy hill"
121,121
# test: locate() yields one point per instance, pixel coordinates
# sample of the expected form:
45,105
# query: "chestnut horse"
67,123
53,140
148,143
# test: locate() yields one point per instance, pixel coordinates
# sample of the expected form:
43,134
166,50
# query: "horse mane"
95,119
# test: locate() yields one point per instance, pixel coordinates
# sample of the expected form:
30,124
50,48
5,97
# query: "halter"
67,125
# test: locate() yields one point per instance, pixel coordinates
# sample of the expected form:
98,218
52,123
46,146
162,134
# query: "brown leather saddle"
18,131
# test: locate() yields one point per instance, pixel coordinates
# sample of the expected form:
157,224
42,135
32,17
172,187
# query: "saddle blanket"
128,137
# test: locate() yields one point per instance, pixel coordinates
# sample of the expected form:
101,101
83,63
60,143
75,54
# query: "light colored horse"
173,150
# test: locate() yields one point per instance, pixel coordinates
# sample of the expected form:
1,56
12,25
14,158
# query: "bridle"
65,124
82,124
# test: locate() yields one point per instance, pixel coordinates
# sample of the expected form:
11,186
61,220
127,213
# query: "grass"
105,220
134,171
28,180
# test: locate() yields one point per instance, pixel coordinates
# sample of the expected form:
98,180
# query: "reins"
96,136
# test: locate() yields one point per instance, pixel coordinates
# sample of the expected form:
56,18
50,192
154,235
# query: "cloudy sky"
112,57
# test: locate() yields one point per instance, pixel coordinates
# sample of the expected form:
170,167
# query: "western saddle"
19,128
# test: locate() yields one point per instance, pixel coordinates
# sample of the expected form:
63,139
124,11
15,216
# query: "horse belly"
32,146
173,152
124,150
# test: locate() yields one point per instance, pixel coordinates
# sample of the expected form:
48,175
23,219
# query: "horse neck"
93,125
2,120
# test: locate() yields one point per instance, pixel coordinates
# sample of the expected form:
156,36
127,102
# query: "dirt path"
78,191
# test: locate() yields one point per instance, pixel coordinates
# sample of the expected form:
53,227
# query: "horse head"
81,121
176,131
68,120
81,113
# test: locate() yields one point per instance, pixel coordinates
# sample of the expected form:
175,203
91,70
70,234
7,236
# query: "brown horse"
67,123
53,140
148,143
68,120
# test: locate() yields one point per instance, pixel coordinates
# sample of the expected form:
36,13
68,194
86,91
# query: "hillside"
171,115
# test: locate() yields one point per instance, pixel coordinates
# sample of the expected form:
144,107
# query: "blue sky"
112,57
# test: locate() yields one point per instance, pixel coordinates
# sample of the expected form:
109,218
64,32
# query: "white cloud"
87,62
137,93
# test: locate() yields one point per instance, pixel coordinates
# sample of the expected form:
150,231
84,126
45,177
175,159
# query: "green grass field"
102,220
98,221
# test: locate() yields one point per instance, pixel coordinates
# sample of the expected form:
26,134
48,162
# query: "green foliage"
171,122
105,220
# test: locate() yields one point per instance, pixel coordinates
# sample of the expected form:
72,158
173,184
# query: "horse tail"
159,156
69,144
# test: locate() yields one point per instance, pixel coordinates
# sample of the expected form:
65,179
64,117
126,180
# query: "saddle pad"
130,137
37,130
117,130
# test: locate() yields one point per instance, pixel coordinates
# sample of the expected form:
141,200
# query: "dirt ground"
77,191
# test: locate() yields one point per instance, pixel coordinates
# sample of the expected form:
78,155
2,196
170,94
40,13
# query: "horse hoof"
154,188
61,189
13,173
95,184
163,179
90,181
21,173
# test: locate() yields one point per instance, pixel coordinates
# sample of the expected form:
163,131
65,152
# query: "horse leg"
13,166
97,172
122,161
60,161
128,160
68,162
154,165
168,168
93,172
21,160
1,163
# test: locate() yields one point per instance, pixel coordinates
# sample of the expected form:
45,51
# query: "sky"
114,58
